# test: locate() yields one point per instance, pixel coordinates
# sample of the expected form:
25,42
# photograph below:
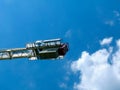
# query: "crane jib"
42,49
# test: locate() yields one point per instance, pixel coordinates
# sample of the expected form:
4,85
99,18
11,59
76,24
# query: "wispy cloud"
110,22
106,41
117,13
63,85
114,20
95,71
68,34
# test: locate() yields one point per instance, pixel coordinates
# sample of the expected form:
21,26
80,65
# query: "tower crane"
41,49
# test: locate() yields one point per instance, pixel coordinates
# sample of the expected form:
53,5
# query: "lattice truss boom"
16,53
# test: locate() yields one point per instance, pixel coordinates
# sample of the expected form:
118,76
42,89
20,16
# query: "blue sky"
82,23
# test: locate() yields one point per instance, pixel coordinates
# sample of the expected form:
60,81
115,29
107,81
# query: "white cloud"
106,41
118,43
96,72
